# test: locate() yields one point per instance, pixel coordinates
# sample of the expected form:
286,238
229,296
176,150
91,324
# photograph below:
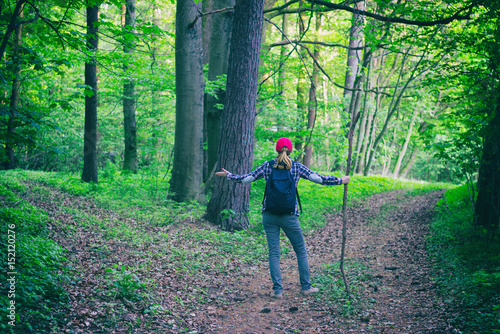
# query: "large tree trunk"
488,196
90,136
129,126
402,153
187,168
220,42
312,107
228,205
206,25
14,99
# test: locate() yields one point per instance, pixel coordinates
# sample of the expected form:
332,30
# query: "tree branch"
454,17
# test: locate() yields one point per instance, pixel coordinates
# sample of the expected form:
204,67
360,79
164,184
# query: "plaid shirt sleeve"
326,180
250,177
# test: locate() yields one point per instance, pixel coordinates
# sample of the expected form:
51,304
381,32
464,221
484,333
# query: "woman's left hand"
223,173
346,179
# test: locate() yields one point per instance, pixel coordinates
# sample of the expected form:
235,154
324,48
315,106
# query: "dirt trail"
387,235
386,232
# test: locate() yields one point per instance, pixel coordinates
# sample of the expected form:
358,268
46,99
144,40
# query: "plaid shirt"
298,171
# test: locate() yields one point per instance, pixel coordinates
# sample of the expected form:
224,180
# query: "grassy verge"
32,298
467,266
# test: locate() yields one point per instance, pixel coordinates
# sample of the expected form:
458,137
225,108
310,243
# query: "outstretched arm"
246,178
326,180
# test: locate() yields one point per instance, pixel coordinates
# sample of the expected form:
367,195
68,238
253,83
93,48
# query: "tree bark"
206,24
187,168
90,135
14,98
129,126
402,153
301,94
228,205
282,75
312,106
487,207
409,164
353,55
12,26
220,42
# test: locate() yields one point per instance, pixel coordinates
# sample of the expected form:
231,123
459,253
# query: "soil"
386,237
392,247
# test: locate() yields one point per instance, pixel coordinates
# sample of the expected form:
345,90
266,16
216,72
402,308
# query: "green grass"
35,261
467,265
332,289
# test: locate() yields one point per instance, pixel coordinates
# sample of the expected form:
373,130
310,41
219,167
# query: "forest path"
190,286
386,238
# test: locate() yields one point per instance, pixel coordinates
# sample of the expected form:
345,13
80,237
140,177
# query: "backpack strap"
297,192
270,162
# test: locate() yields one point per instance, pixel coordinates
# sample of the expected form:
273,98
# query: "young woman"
288,221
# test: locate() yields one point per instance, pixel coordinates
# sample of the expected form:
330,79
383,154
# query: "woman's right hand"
223,173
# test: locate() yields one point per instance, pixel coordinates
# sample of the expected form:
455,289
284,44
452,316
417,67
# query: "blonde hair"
284,158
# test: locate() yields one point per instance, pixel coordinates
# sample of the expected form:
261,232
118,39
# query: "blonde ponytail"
284,158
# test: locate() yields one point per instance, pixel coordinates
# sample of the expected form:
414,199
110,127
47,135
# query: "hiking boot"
277,295
310,291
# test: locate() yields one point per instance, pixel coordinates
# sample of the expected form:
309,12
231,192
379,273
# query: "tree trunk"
90,136
12,26
487,207
129,126
353,55
396,98
363,128
283,54
301,94
14,99
402,153
411,161
220,42
312,107
228,205
187,168
206,24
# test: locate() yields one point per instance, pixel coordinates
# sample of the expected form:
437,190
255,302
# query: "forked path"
386,237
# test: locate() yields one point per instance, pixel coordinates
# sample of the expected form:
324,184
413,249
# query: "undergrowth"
32,298
467,265
333,294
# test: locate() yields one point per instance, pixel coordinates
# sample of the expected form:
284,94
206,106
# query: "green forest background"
416,82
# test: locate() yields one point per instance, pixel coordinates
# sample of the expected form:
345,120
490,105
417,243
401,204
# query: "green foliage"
332,289
37,261
467,265
124,282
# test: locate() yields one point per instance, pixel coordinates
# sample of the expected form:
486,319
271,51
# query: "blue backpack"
281,194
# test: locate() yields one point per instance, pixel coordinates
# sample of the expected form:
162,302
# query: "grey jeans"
291,226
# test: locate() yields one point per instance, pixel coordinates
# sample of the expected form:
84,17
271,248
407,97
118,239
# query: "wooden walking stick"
344,208
355,114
